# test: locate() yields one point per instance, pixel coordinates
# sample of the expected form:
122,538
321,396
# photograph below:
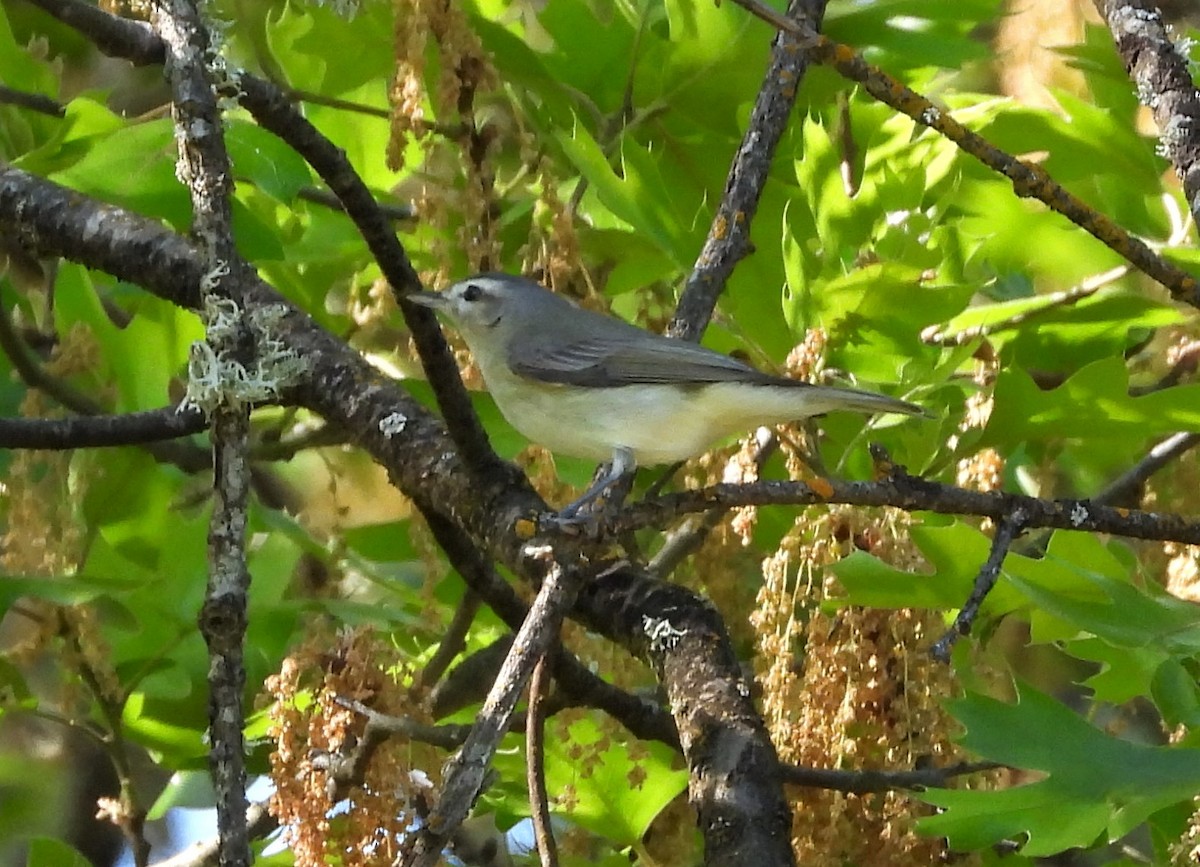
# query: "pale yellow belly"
658,423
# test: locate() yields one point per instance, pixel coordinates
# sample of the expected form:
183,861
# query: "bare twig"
728,240
535,764
259,823
1007,531
99,431
453,641
464,774
1125,488
865,782
399,213
1048,303
205,168
32,101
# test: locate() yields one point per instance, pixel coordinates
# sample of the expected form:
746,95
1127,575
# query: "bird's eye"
472,292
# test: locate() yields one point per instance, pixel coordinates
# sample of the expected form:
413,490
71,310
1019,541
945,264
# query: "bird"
590,385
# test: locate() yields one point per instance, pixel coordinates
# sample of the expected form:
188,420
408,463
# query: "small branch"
332,102
205,169
1048,303
1028,180
35,376
1007,531
398,213
866,782
464,773
1127,487
468,682
728,240
259,823
453,641
349,769
535,768
32,101
101,431
275,113
1164,84
902,491
847,147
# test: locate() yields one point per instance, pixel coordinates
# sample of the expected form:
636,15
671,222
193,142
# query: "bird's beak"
432,300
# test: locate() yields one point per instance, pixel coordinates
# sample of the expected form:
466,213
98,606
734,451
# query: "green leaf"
48,852
260,157
1095,784
1094,403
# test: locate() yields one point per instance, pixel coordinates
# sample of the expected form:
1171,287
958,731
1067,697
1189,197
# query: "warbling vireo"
592,386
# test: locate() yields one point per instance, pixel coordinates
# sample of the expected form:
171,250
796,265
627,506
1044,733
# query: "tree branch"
205,168
1160,71
902,491
101,431
535,765
32,101
728,240
1007,531
464,773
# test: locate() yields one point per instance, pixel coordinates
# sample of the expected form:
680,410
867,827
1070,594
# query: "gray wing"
598,362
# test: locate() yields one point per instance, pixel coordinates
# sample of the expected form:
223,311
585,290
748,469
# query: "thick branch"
1160,70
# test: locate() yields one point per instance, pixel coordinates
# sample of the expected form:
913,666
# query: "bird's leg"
622,462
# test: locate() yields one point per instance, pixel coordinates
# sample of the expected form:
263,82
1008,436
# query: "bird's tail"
832,399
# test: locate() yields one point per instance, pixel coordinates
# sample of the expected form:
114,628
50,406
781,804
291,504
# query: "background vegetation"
588,144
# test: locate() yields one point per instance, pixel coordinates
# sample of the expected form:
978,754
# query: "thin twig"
32,101
937,336
1125,487
454,639
399,213
728,240
535,764
259,823
868,781
101,431
464,774
1007,531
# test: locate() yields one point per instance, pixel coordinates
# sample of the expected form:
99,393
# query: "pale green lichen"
217,376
